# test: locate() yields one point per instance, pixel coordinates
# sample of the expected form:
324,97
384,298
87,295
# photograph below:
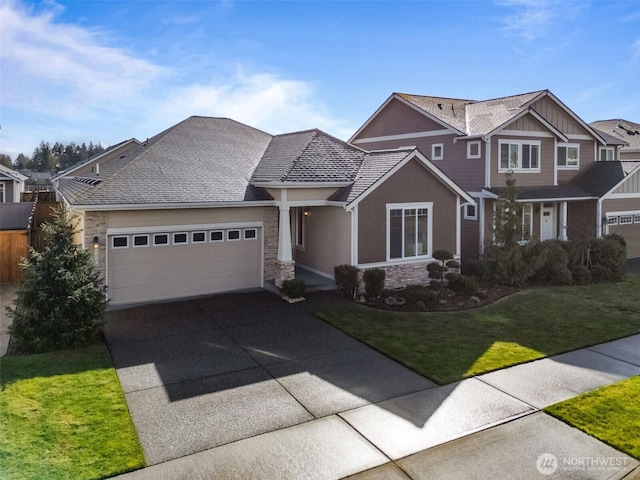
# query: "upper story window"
409,230
607,154
568,156
437,151
473,149
519,155
1,192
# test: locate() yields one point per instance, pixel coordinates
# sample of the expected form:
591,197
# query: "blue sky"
106,71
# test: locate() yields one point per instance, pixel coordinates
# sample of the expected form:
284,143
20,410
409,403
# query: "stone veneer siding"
399,276
270,233
284,271
95,225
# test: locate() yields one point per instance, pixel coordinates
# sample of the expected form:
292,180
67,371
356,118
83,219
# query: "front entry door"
548,222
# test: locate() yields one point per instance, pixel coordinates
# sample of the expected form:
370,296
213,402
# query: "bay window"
519,155
409,230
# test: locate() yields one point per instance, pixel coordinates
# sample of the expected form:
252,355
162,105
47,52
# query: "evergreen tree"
61,300
507,230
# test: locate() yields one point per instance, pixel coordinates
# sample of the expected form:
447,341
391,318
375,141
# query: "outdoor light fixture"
96,243
306,212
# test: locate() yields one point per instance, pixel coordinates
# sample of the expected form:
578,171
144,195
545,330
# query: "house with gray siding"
534,138
11,185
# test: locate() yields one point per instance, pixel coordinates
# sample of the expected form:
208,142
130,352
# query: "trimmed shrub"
505,265
418,293
555,269
452,277
581,274
464,285
442,255
618,238
609,254
453,264
346,280
294,288
373,282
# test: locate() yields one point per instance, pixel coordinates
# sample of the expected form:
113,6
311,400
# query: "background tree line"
53,157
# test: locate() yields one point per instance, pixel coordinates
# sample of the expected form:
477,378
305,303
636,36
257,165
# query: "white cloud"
261,100
531,18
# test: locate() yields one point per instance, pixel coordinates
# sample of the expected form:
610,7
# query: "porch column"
563,221
285,267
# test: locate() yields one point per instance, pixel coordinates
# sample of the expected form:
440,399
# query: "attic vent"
88,181
122,156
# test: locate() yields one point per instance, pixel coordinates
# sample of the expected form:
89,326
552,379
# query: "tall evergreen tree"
61,300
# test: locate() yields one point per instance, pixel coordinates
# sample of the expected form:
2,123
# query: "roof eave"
302,184
168,206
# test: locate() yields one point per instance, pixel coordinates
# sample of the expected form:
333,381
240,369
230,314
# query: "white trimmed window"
140,241
470,211
612,220
298,226
216,236
1,192
437,151
525,213
568,156
180,238
250,233
160,239
473,149
607,154
636,219
519,155
198,237
409,230
626,219
121,241
233,235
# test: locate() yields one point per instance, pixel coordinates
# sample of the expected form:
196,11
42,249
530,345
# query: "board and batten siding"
395,119
411,183
631,184
327,239
557,117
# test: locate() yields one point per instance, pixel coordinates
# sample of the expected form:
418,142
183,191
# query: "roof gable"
620,132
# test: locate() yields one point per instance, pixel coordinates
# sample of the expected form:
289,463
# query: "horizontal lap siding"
327,239
582,219
151,218
587,157
412,183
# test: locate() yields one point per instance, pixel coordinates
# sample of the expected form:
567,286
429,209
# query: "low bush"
418,293
294,288
465,285
609,254
555,269
346,280
373,282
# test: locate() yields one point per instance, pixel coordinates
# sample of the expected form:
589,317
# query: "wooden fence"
14,247
44,211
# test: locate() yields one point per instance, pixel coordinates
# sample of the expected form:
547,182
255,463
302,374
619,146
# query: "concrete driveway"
248,386
203,373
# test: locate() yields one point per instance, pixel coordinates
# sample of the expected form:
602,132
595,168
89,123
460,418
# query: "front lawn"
528,325
610,413
63,415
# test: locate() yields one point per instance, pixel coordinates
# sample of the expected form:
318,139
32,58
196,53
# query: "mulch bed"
447,301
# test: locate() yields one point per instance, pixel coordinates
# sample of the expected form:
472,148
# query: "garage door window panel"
120,242
160,239
233,235
180,238
198,237
250,234
140,241
216,236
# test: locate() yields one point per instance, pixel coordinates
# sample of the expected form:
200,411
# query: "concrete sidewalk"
489,426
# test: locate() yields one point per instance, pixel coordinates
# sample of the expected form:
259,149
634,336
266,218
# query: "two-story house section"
533,137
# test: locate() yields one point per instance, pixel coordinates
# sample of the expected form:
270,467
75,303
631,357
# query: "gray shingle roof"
601,177
309,156
470,116
198,160
563,190
618,132
374,166
16,216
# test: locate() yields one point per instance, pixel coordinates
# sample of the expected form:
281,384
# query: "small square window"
120,242
140,241
216,236
612,220
198,237
473,149
636,219
470,212
437,151
233,235
179,238
160,239
250,234
626,219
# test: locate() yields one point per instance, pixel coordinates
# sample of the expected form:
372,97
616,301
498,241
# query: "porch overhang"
559,193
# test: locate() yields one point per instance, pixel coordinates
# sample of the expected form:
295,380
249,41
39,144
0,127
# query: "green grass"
532,324
63,415
611,414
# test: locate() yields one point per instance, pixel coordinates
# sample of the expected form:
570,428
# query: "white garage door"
174,264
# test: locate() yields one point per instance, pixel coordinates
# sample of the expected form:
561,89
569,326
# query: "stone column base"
284,271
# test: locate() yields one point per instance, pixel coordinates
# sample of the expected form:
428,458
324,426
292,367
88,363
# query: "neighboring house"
11,185
628,133
537,139
212,205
